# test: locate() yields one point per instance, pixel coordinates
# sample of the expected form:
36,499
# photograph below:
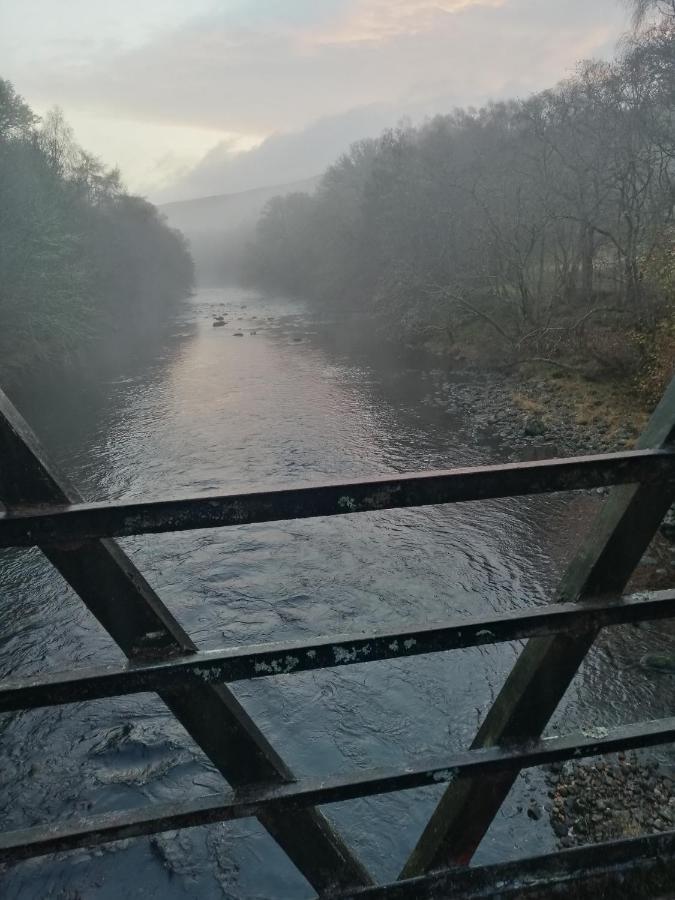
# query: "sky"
199,97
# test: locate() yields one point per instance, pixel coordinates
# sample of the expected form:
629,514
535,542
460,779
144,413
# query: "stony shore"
538,417
623,795
562,415
606,799
551,413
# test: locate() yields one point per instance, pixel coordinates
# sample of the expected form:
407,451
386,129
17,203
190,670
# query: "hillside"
218,227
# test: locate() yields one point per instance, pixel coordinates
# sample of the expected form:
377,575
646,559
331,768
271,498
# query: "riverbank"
536,415
565,415
531,411
111,354
560,415
621,796
519,404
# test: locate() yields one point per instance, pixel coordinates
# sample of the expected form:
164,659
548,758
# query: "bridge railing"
77,537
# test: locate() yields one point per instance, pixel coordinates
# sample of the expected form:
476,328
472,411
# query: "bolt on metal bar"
76,522
292,657
255,800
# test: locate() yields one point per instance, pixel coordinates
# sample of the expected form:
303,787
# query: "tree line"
81,260
536,229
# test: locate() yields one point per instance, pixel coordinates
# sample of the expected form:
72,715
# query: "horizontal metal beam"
235,664
256,800
619,535
115,592
622,870
80,522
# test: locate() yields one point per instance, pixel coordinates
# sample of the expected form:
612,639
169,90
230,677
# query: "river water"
207,411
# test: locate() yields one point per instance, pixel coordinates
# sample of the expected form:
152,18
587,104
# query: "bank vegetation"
85,267
533,231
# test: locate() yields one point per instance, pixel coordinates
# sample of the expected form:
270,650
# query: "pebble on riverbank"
606,800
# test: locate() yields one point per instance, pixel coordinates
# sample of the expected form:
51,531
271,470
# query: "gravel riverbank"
620,795
605,799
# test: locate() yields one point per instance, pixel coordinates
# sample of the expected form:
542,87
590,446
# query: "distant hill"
218,227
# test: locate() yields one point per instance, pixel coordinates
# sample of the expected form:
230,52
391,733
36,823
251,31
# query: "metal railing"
42,510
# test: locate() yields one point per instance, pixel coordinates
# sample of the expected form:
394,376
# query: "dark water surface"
210,411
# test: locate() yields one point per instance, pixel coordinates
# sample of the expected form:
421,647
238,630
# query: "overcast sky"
196,97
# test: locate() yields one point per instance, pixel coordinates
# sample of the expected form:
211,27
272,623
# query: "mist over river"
205,410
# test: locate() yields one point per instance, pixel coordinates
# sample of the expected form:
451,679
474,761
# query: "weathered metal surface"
46,512
253,801
544,670
73,523
114,590
620,870
291,657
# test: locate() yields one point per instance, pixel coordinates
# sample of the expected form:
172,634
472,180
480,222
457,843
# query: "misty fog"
337,400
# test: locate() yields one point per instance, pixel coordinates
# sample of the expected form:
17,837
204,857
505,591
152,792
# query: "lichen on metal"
445,775
595,731
276,665
346,654
348,504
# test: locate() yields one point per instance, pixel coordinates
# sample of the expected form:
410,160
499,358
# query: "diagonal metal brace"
544,670
116,593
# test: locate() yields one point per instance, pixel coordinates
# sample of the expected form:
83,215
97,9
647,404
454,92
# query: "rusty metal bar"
116,593
24,526
620,870
544,670
254,801
291,657
44,511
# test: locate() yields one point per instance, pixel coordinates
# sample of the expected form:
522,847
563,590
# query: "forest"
537,230
83,264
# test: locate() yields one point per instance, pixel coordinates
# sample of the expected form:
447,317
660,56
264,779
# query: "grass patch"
612,407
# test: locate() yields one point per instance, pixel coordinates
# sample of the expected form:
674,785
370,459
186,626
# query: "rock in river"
534,428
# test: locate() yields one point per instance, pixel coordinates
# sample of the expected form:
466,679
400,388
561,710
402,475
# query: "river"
207,411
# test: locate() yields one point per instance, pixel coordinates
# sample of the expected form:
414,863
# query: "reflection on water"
214,411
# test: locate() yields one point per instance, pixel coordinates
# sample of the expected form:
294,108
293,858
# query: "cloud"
281,158
383,20
257,77
466,65
263,71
